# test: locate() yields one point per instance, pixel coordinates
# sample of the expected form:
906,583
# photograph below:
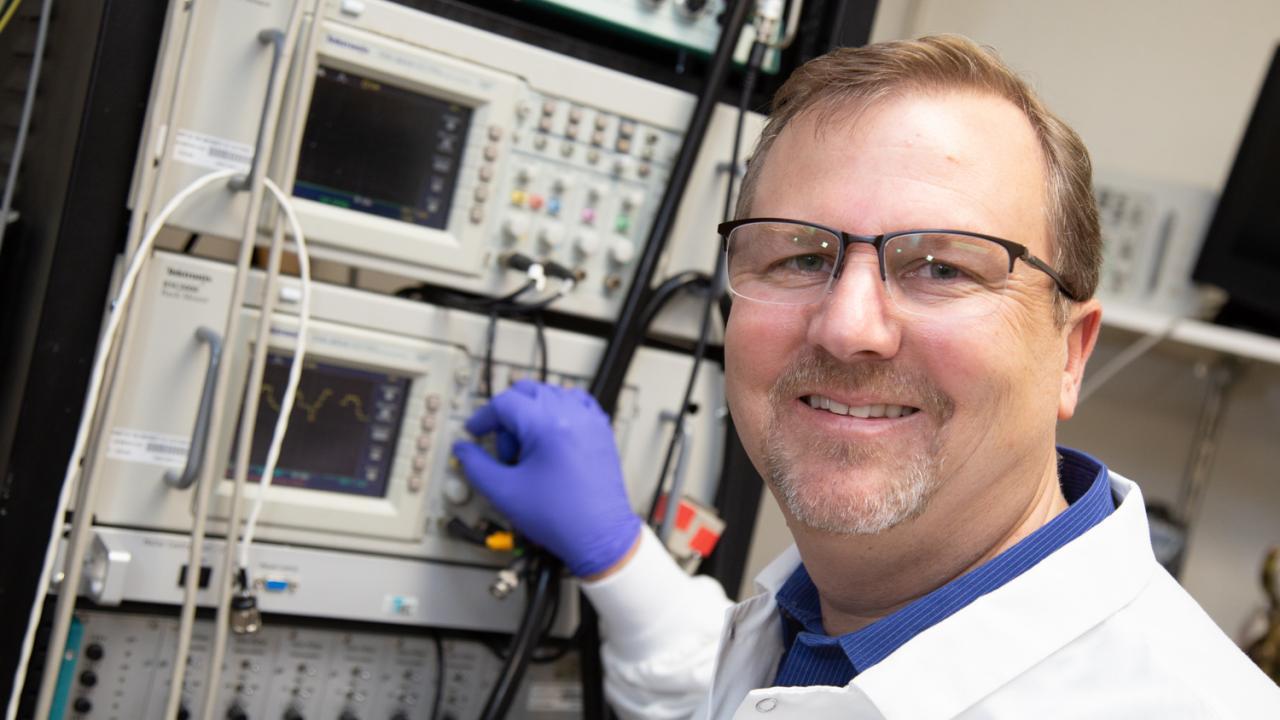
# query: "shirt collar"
1085,485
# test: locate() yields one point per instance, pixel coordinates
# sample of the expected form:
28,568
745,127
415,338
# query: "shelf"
1195,333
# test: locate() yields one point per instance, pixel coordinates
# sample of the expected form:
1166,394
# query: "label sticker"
210,151
148,448
551,696
400,605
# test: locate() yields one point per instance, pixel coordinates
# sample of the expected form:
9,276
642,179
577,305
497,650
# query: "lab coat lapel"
751,640
956,663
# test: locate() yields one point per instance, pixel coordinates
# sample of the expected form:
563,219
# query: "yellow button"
517,198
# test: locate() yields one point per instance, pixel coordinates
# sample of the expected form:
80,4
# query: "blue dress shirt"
811,657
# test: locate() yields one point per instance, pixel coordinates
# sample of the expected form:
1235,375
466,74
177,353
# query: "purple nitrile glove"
557,476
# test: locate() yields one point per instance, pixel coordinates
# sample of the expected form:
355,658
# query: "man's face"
979,398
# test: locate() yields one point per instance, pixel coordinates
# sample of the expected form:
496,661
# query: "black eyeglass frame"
1017,251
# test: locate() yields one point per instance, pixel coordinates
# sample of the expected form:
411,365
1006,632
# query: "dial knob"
586,243
88,678
93,651
82,705
456,491
550,235
514,229
622,250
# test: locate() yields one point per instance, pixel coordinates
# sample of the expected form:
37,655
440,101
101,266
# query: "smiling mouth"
881,410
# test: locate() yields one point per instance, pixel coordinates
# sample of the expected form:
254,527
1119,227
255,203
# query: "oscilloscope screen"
380,149
342,433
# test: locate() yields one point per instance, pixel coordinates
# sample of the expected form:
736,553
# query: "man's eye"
942,271
805,263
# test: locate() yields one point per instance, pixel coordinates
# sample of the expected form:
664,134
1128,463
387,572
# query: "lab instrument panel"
119,664
428,149
366,471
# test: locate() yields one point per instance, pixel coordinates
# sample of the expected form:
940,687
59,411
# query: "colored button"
517,198
622,224
553,206
535,202
588,216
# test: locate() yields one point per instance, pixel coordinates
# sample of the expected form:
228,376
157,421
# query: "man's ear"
1080,335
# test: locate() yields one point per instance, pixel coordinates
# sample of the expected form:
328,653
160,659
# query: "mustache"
818,369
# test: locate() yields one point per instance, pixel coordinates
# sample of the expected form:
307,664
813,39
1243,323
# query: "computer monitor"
1241,253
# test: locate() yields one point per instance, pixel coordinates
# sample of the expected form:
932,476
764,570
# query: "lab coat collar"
1000,635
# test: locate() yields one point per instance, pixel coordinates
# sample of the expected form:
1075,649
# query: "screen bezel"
366,240
401,512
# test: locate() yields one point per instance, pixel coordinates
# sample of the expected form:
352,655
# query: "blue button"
553,206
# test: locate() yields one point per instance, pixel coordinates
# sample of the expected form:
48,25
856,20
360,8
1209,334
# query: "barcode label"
148,448
210,151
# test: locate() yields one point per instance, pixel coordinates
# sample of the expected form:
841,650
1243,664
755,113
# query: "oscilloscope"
386,387
422,148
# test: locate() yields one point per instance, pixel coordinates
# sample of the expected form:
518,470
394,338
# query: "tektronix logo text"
340,42
188,275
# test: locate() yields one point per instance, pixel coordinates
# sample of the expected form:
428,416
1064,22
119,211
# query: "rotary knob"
586,243
550,235
514,229
622,250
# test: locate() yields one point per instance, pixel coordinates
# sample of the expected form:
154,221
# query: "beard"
852,488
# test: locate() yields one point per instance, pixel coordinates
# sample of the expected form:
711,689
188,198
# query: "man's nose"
857,319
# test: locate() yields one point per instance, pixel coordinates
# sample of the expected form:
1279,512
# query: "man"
912,277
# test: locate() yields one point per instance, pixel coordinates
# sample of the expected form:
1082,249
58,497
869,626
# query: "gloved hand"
557,475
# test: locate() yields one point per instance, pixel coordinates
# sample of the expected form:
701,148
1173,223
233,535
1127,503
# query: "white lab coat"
1096,630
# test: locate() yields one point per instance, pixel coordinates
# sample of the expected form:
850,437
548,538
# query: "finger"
483,421
483,471
508,447
528,387
507,411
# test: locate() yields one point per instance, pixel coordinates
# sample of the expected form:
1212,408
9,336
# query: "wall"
1163,91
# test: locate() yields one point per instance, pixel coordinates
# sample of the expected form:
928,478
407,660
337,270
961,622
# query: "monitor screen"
1241,252
342,432
380,149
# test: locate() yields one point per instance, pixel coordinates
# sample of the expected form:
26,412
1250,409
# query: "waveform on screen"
312,407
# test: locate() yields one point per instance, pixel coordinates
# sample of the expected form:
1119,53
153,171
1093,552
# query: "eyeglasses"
947,273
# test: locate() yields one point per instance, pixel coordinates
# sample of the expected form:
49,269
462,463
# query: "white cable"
186,626
295,372
76,547
19,145
1126,357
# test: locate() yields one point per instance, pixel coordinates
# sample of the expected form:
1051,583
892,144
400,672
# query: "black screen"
381,149
342,432
1241,253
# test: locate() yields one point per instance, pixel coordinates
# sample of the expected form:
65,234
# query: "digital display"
342,432
381,149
